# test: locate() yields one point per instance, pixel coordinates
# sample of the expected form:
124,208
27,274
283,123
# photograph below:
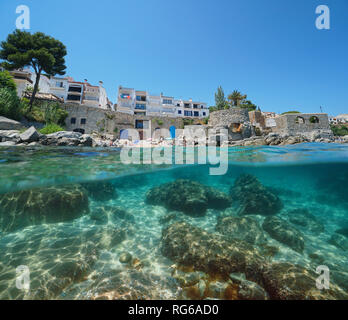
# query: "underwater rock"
281,231
286,281
100,190
187,196
42,205
57,256
125,257
249,290
302,217
167,218
242,228
211,253
339,241
253,197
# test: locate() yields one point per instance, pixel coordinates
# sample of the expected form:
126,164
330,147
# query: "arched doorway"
124,134
172,132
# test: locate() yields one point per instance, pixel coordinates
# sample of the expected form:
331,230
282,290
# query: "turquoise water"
83,224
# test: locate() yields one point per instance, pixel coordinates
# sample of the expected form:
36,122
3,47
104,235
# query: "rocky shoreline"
31,137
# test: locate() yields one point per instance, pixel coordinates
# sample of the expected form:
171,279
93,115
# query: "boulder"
187,196
242,228
100,190
65,134
42,205
286,281
86,140
29,135
193,247
302,217
7,144
9,135
8,124
253,197
283,232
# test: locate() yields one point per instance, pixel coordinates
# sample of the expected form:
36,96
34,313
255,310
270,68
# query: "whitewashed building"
136,102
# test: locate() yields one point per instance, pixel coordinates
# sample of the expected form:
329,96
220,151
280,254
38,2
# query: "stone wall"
225,118
301,123
112,122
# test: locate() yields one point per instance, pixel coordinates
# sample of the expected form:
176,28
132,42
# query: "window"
73,120
196,114
314,119
125,96
167,101
73,97
186,105
141,98
188,113
179,111
139,124
178,104
140,106
59,84
203,113
299,120
195,106
83,120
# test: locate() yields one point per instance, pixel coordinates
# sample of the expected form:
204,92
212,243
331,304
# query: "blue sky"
269,49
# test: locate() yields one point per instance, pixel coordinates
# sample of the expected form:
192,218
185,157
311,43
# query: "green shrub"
159,122
339,130
51,128
6,81
53,113
289,112
10,104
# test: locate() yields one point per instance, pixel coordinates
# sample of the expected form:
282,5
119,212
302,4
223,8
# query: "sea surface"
77,223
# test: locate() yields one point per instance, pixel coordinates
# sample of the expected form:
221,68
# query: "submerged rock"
211,253
125,257
283,232
188,196
302,217
343,231
101,190
286,281
253,197
42,205
242,228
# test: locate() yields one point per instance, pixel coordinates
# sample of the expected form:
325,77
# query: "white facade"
132,101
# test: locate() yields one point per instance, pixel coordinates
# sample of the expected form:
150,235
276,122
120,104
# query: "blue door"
172,131
124,134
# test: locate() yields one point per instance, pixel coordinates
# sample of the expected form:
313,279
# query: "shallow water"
71,235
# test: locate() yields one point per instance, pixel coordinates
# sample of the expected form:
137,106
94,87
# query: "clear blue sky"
269,49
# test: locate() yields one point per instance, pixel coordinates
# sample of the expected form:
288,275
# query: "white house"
132,101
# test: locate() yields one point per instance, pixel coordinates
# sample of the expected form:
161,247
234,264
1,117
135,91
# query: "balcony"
75,89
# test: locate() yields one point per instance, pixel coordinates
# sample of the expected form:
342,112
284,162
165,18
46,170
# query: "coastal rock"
187,196
211,253
281,231
64,134
86,140
7,144
8,124
9,135
253,197
242,228
42,205
302,217
286,281
339,241
70,142
29,135
100,190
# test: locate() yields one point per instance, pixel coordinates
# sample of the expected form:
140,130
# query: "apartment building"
136,102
